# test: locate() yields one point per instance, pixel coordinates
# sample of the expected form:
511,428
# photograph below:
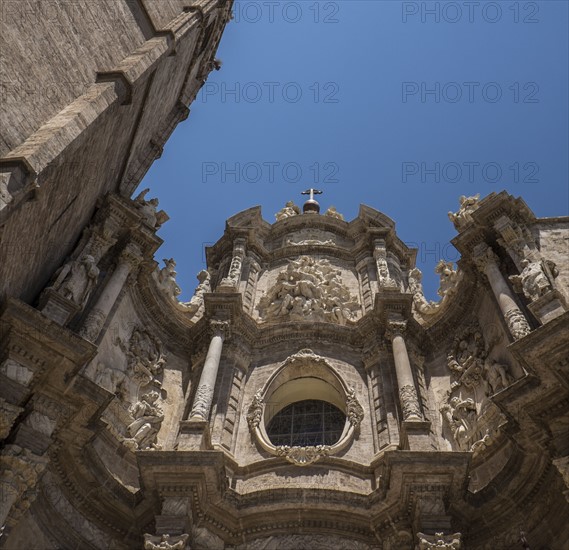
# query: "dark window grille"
307,423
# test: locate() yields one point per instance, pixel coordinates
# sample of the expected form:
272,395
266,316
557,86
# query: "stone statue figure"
290,209
416,288
464,215
148,417
80,277
533,280
449,278
496,376
204,287
460,415
167,279
333,213
148,209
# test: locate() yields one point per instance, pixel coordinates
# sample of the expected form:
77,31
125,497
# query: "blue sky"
403,106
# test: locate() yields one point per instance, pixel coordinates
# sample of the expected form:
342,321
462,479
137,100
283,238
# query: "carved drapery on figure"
486,261
463,217
148,417
309,289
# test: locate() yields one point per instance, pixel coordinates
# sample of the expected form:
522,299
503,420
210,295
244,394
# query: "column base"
416,435
194,435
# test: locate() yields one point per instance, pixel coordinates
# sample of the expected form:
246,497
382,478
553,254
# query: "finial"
311,206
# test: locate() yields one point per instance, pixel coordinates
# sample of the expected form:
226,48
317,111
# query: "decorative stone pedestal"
194,435
415,435
549,306
57,308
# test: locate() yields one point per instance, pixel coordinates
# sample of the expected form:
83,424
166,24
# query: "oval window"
307,424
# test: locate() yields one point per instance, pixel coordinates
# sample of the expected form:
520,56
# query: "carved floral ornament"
304,456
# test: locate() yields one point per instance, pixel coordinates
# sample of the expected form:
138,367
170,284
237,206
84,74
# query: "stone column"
204,394
407,391
231,282
485,261
129,259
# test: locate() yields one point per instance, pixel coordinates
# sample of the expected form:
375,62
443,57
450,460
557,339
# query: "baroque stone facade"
307,396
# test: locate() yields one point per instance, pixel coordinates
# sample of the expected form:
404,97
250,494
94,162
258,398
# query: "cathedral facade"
308,396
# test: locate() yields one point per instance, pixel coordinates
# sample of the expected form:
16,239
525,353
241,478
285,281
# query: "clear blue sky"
362,99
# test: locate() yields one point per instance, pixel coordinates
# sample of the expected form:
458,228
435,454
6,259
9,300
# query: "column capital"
131,256
396,328
221,328
483,256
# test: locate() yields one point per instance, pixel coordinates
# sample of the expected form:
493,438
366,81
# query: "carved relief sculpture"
144,353
309,289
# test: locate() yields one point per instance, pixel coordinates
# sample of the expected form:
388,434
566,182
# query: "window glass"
307,423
